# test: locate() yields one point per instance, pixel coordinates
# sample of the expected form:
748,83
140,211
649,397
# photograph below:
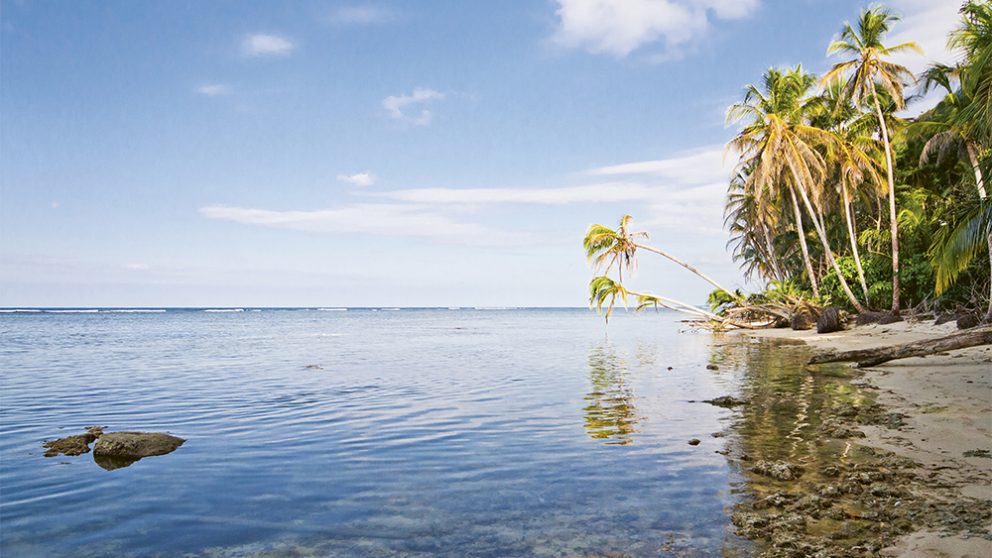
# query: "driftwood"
876,356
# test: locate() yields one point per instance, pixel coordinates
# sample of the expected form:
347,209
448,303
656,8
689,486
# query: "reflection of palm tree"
609,412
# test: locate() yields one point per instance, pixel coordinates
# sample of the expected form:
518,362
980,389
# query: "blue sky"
433,153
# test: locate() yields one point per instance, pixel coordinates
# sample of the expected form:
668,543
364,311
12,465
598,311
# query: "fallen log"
878,355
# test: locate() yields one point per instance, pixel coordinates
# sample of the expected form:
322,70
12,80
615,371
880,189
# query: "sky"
436,153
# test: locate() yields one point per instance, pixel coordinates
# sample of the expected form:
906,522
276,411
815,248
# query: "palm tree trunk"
893,222
687,266
973,159
825,243
802,242
854,240
771,253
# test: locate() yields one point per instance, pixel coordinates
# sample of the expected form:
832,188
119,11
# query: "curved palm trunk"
802,242
687,266
826,244
672,304
893,223
973,159
854,239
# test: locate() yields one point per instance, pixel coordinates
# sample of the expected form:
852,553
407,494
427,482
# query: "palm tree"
949,132
867,67
853,156
974,39
959,243
606,247
605,291
780,147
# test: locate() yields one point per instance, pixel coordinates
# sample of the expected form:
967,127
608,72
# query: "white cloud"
395,105
261,44
619,27
928,23
698,166
213,89
589,193
137,266
361,179
362,15
375,219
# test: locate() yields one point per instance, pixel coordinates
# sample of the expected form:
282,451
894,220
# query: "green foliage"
833,137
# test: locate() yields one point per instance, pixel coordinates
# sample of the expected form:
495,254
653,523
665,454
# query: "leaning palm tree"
868,67
781,148
605,291
606,247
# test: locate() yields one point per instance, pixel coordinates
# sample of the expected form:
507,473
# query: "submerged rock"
829,321
712,367
778,470
120,449
726,401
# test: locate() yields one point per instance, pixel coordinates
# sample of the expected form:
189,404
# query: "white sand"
948,400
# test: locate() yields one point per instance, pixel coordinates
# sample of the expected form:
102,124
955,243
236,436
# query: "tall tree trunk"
771,253
893,218
825,243
854,238
802,242
975,166
687,266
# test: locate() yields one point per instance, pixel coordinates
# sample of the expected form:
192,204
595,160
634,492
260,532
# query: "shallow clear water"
417,433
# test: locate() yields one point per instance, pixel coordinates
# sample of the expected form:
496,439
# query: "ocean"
368,432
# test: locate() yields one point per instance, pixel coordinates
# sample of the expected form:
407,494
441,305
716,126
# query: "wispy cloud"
362,15
697,166
618,28
261,44
589,193
375,219
137,266
397,104
361,179
213,89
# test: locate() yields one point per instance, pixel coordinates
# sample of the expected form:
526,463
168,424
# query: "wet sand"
947,399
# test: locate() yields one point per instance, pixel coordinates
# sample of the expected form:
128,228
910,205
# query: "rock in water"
726,401
829,321
73,445
694,442
120,449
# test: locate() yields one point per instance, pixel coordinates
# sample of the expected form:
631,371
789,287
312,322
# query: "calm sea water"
367,433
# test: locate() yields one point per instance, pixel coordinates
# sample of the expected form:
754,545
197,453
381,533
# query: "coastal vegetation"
839,199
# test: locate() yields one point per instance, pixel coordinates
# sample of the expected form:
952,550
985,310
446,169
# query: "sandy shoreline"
948,401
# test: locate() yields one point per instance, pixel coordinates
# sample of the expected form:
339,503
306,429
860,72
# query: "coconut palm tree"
868,67
605,291
606,247
959,243
854,158
949,133
973,38
781,149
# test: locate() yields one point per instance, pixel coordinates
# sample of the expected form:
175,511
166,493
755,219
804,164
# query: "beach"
946,401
